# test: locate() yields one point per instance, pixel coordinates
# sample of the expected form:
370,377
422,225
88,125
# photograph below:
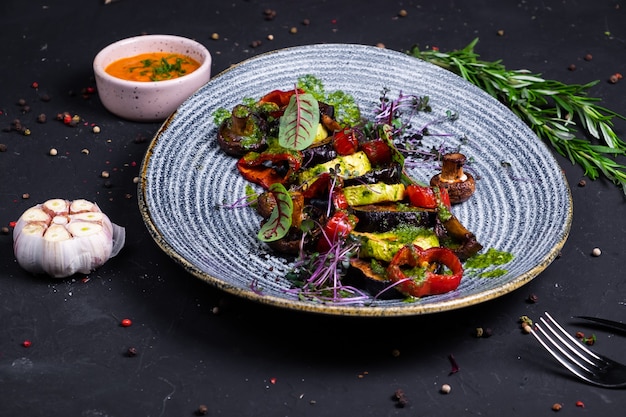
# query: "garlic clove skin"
62,238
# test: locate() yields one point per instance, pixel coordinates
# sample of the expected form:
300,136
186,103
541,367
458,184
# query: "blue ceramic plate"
522,204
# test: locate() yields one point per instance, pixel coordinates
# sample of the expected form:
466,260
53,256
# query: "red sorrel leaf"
279,222
298,125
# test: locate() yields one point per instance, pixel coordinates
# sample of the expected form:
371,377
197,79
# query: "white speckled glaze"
149,101
522,204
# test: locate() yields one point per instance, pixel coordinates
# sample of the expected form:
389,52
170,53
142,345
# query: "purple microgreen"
254,286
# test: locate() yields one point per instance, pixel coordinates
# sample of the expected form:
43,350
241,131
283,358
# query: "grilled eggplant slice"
384,217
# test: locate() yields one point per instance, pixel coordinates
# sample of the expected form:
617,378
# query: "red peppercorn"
26,343
126,323
580,404
35,84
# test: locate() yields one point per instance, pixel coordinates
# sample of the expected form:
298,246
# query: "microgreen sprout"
318,276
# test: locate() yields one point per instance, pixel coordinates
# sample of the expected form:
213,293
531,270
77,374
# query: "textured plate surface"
522,204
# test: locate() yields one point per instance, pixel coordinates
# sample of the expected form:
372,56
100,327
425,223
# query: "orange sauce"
154,66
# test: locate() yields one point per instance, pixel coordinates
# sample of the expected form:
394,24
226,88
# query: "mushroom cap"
460,190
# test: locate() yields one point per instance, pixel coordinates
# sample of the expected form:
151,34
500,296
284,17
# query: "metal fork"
580,360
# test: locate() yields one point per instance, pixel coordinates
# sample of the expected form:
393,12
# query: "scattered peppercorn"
400,398
53,152
293,30
215,36
105,174
269,14
270,37
306,22
500,32
85,151
588,57
41,118
202,410
582,183
45,98
255,44
445,389
131,352
556,407
580,404
572,67
4,230
613,79
27,343
126,322
532,298
479,332
96,129
403,13
3,147
596,252
25,196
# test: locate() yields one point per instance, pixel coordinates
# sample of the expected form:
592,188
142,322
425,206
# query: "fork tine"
565,357
574,341
577,358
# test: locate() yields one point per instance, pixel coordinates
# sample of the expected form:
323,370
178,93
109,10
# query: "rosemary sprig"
555,111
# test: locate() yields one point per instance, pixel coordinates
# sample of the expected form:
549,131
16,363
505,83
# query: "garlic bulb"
62,238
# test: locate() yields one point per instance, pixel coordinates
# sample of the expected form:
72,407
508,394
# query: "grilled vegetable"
384,217
381,192
460,185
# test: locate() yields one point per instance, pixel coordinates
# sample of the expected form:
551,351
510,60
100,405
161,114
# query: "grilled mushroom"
460,185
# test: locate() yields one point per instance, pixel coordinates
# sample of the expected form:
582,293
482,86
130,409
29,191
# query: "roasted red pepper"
427,197
345,142
338,226
430,283
269,167
377,152
279,97
321,187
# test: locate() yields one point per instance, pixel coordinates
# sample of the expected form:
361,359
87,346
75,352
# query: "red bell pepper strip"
261,168
377,151
280,98
431,283
345,142
338,226
427,197
321,187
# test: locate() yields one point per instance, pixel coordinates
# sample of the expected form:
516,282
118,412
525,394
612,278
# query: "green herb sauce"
492,257
346,109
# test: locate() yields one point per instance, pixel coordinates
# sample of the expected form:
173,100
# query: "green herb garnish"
555,111
162,69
